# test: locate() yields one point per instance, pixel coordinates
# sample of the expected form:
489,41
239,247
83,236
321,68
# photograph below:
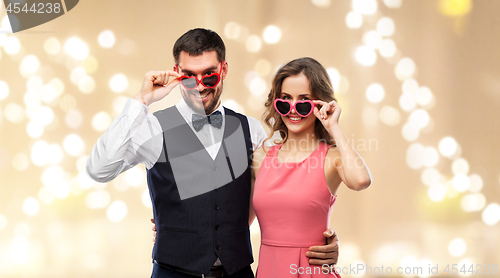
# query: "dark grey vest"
201,205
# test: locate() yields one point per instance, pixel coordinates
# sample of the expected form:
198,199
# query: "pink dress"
293,205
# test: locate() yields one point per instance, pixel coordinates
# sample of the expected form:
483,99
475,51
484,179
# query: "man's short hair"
199,40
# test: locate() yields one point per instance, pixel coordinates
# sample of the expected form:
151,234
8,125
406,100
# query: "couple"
205,187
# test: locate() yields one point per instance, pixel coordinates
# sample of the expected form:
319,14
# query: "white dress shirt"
136,137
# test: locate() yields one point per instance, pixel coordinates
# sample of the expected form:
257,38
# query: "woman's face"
293,89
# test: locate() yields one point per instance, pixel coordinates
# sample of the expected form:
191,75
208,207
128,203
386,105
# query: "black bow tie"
215,119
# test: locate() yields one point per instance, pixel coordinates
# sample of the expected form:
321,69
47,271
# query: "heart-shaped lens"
210,81
189,83
282,107
303,108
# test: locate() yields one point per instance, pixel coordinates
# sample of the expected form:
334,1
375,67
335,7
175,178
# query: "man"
198,166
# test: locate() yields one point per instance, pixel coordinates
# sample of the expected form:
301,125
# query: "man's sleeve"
257,132
134,137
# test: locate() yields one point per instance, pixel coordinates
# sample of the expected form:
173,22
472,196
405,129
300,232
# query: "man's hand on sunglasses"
157,85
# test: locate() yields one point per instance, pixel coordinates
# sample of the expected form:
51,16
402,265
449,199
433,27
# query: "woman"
296,181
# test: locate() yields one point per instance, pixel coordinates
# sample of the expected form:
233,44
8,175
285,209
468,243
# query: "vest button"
217,247
216,207
215,168
217,227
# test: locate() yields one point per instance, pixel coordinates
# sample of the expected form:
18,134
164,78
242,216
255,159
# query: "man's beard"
197,104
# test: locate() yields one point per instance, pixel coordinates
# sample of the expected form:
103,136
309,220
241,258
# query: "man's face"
202,99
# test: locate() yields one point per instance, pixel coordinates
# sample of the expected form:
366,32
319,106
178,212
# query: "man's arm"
325,254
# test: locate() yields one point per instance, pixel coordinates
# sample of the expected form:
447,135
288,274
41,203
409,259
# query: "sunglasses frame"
292,106
200,81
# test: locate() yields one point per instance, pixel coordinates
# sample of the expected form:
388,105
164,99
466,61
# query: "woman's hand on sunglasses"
156,86
329,113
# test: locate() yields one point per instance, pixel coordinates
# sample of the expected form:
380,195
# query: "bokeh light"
4,90
117,211
436,192
387,48
14,113
101,121
415,155
430,176
118,83
106,39
410,132
263,67
52,46
460,166
74,118
321,3
455,7
405,68
40,153
419,118
431,157
473,202
461,182
3,222
393,4
97,199
375,93
12,46
272,34
73,145
76,48
31,206
29,65
366,56
448,146
365,7
258,86
457,247
253,43
20,162
232,30
86,84
491,214
134,176
407,102
372,39
385,26
390,116
476,183
354,20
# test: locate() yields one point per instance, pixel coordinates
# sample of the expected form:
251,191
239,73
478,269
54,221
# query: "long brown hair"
319,85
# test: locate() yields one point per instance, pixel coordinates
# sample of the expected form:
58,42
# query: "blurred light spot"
385,26
415,155
73,145
476,183
448,146
118,83
436,192
424,96
52,46
387,48
321,3
457,247
249,77
48,93
272,34
393,4
86,84
334,75
40,153
410,132
375,93
232,104
77,74
118,104
366,56
343,86
405,68
354,20
258,86
424,268
101,121
134,176
29,65
81,163
351,252
369,116
74,118
4,90
431,157
407,102
117,211
34,129
44,115
3,222
263,67
460,166
491,214
32,99
365,7
90,64
76,48
467,262
46,195
455,7
461,182
372,39
419,118
126,47
253,43
473,202
67,102
12,45
232,30
22,229
20,162
146,200
430,176
14,113
390,116
92,261
58,85
97,199
31,206
19,247
84,181
106,39
56,154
